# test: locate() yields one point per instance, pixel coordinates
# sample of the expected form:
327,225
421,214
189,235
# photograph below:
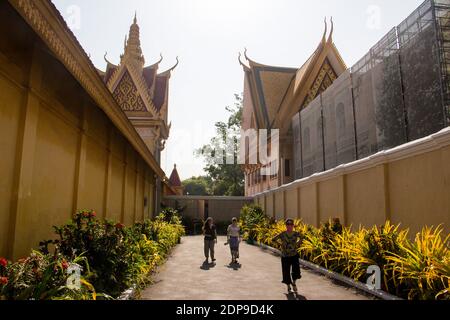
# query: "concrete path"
184,277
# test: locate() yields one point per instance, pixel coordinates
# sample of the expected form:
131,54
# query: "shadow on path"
234,266
295,297
207,266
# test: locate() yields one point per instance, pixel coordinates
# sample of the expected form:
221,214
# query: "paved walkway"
184,277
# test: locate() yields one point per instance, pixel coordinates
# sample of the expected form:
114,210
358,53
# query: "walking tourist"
210,233
290,261
233,239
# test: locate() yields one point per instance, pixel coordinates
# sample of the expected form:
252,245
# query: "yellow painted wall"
365,198
221,209
260,201
95,175
60,152
53,179
270,205
279,206
413,190
308,204
292,203
424,197
11,111
115,198
330,199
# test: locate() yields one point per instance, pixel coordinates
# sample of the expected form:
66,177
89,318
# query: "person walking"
210,233
290,262
233,239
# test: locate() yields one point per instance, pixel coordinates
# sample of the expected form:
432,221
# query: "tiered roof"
174,179
151,86
272,95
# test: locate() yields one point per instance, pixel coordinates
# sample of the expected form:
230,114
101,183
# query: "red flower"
120,226
65,265
3,262
3,280
93,214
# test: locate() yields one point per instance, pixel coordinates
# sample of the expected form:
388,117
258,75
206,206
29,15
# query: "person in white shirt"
233,239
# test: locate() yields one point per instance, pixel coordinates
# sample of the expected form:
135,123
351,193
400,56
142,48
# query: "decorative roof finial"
167,72
240,61
330,37
325,32
106,59
176,65
135,17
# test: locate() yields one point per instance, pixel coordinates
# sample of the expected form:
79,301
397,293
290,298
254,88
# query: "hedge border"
130,293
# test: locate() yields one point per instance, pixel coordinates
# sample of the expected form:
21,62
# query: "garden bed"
91,259
416,269
133,292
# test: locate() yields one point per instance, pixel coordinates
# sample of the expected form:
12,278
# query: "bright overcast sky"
207,36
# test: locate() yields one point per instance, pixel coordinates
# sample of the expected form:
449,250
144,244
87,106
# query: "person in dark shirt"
290,260
210,233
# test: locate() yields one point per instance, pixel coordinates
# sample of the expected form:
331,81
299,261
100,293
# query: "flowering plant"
111,257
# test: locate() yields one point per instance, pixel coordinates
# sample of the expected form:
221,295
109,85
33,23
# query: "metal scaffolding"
398,92
442,18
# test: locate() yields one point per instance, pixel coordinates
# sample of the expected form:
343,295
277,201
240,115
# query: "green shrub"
412,270
113,257
422,267
251,217
42,276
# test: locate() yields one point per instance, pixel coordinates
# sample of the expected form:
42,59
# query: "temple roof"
268,90
174,179
151,85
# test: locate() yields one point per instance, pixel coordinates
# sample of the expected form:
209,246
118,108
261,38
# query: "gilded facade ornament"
324,79
127,96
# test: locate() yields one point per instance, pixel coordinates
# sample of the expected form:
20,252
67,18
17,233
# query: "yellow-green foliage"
417,269
424,265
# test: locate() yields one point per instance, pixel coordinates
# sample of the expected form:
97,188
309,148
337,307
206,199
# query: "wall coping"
221,198
428,144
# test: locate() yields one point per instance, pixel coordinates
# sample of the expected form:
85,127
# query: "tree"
197,186
226,179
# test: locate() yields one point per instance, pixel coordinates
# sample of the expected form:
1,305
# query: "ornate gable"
126,94
275,94
324,79
141,92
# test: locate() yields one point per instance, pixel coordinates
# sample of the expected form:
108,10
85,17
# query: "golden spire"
133,51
